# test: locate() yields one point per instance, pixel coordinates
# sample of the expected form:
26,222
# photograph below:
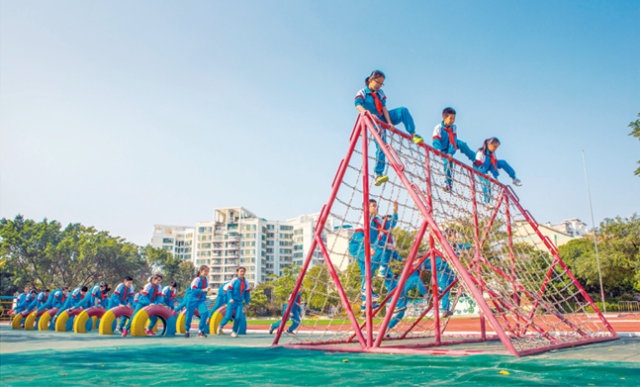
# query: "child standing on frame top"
373,100
486,162
445,139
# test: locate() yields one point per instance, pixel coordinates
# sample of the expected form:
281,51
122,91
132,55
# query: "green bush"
611,307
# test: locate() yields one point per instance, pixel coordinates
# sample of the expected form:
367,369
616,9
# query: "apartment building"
237,237
179,240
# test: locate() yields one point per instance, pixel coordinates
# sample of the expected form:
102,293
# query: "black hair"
65,288
373,201
156,276
240,268
33,291
128,278
107,289
375,74
202,268
103,284
47,290
447,112
84,289
173,284
485,144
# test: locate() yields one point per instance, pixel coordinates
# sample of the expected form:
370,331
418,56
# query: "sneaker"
149,332
447,188
445,313
289,333
381,179
416,138
517,182
125,333
382,272
233,334
220,330
270,330
186,335
489,206
202,334
117,330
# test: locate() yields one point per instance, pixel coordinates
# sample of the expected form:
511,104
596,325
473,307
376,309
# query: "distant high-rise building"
236,237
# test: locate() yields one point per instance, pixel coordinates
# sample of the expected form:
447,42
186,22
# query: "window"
167,240
270,227
285,243
286,228
169,248
269,250
285,236
270,243
285,251
269,235
204,245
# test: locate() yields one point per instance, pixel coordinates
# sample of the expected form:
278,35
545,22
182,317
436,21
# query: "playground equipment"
109,319
141,320
45,323
94,313
527,297
68,315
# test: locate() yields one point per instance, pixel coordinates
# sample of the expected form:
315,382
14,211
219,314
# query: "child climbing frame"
471,240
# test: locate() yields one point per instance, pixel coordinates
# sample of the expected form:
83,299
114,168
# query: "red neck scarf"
378,102
452,137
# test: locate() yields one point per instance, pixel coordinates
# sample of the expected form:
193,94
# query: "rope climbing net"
441,239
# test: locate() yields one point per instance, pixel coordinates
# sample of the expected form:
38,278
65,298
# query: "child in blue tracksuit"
150,294
97,296
445,139
388,243
446,276
486,162
195,299
372,99
31,300
55,300
357,250
239,293
222,298
21,302
75,300
123,296
168,294
296,312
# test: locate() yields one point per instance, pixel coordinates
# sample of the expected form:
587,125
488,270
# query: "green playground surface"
32,358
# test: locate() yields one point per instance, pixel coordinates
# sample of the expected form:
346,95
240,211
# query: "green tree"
619,252
42,254
258,299
319,288
172,268
283,285
635,132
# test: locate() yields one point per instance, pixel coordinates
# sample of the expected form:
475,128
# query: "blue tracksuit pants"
399,115
192,305
464,148
486,184
236,307
295,318
363,283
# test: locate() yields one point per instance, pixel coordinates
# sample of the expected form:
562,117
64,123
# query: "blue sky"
124,114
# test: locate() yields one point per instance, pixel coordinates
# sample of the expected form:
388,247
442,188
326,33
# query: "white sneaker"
233,334
289,333
220,330
517,182
381,273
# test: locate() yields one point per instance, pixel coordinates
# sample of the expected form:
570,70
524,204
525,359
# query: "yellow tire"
106,323
43,323
138,324
180,324
61,322
214,323
80,322
16,323
30,322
